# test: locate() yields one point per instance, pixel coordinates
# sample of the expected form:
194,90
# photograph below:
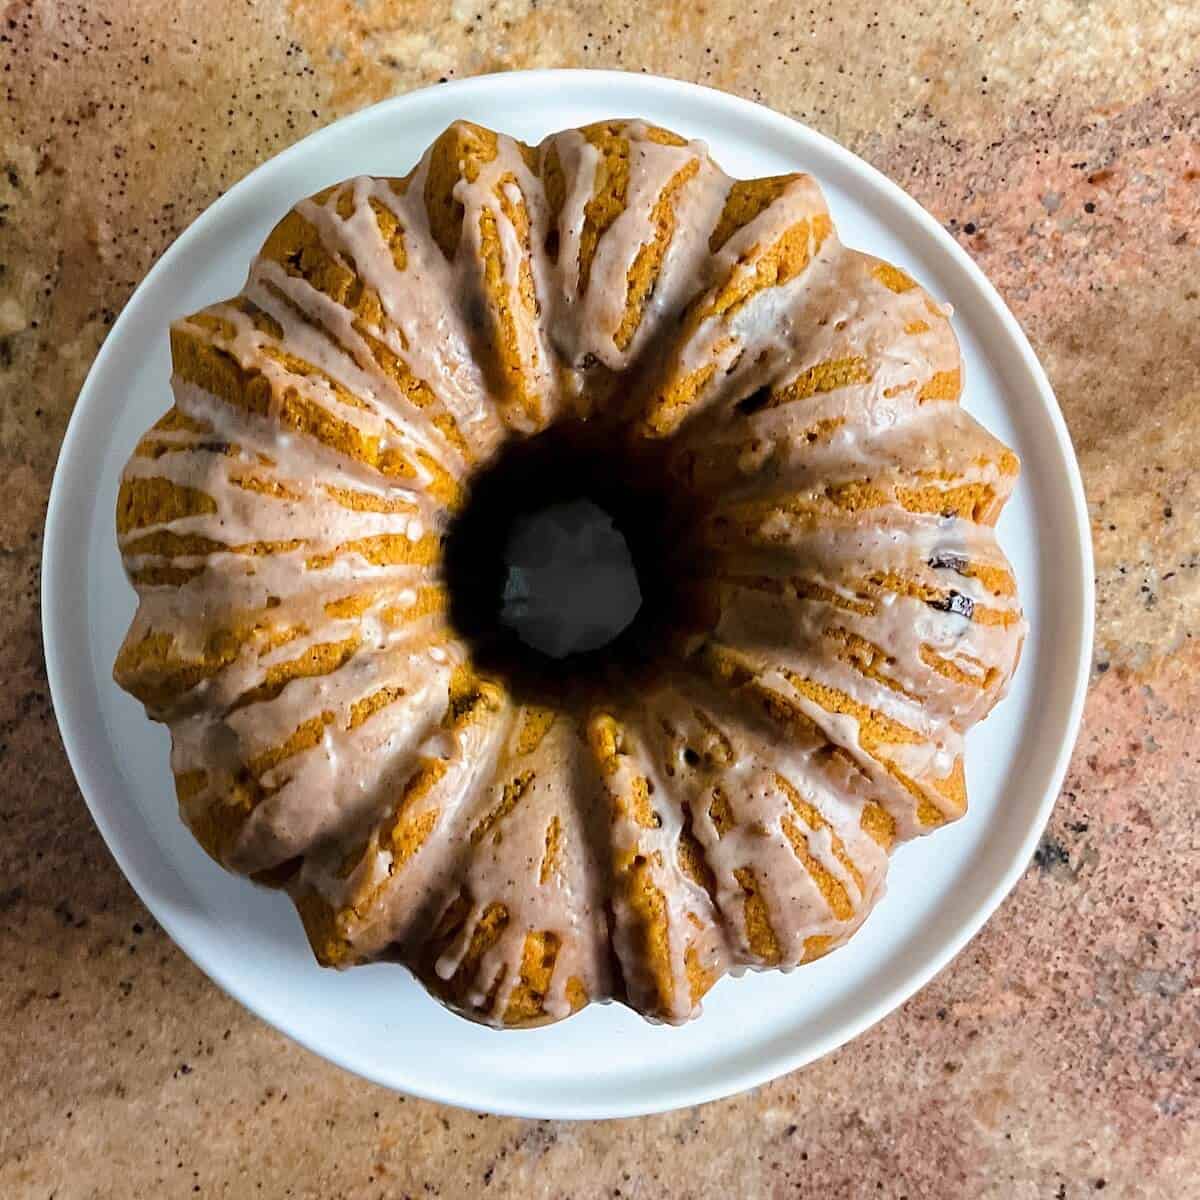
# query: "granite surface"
1057,1057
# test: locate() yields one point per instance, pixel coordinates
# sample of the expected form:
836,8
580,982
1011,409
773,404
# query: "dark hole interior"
571,461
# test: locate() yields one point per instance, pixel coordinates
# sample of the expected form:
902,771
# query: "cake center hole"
571,585
559,565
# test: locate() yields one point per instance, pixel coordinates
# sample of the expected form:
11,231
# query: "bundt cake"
773,422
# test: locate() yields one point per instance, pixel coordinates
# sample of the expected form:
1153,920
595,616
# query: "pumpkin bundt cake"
315,532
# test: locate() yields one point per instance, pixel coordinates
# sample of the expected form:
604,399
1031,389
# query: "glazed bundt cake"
773,422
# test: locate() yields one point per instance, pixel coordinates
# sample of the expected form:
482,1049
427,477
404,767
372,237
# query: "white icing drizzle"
291,627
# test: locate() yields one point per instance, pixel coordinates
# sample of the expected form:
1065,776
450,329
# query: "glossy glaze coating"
852,613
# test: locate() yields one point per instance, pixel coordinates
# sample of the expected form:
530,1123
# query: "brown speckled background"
1057,1057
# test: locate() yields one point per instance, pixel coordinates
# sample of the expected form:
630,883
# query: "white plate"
605,1062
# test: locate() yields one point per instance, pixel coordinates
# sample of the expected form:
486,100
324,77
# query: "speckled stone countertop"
1059,140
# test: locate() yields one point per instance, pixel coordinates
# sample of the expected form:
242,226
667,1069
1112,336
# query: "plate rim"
56,576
